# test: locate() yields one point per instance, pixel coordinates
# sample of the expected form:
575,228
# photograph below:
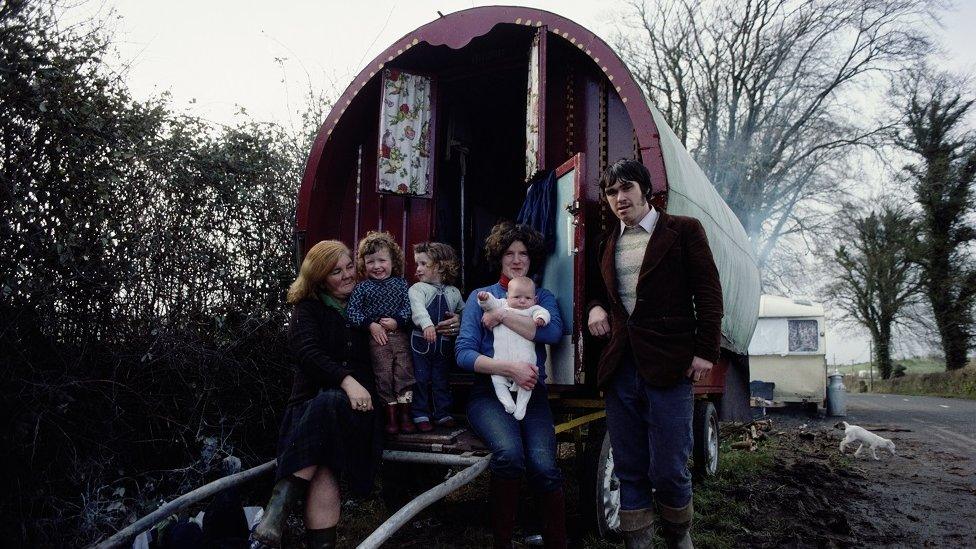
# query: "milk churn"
836,395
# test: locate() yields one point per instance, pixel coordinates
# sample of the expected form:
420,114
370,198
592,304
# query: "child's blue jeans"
432,392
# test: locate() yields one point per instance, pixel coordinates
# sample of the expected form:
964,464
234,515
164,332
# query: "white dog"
853,433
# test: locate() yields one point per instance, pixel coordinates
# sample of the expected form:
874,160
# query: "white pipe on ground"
419,503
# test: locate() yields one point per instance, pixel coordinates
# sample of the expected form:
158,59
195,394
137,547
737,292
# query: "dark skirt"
325,431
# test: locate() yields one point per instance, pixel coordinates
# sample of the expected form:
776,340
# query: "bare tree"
763,92
943,181
875,281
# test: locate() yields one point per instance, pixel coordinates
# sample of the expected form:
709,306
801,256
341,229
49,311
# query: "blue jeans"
432,392
526,447
650,434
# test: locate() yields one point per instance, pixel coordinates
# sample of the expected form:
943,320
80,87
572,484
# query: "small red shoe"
406,422
391,420
424,427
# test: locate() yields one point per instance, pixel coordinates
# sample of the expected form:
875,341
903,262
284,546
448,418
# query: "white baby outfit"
510,346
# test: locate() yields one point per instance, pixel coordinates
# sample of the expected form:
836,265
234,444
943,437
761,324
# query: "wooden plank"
579,403
580,421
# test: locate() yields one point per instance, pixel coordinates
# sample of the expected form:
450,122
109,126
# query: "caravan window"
804,336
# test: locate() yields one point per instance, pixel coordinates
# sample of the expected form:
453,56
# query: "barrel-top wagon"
436,139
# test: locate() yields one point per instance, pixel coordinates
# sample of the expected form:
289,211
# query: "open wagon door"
564,274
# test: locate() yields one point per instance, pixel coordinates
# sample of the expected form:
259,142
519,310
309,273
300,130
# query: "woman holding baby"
525,447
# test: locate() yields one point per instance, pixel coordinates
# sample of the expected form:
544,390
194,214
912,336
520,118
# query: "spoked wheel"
705,454
600,489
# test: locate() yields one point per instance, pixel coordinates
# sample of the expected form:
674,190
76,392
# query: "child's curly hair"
373,242
441,256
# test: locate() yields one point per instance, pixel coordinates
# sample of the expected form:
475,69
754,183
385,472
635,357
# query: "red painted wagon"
435,140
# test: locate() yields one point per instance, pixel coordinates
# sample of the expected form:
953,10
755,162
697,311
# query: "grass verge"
955,384
720,515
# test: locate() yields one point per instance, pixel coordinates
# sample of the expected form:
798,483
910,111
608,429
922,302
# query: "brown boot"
320,538
406,421
676,526
391,419
554,519
286,492
637,528
504,500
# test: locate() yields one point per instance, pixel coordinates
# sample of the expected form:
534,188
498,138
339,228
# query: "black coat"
319,426
325,349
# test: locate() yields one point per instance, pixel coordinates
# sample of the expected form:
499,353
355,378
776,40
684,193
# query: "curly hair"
375,241
442,257
318,263
502,236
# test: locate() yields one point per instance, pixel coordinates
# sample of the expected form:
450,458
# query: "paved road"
947,421
926,491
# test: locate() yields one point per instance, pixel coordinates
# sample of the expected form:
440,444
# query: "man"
664,323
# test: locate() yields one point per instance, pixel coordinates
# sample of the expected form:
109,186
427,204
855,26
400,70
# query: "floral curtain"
405,120
532,111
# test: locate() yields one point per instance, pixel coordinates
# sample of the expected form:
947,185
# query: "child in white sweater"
433,299
511,346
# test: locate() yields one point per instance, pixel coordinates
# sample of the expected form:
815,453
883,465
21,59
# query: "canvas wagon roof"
676,178
775,306
691,193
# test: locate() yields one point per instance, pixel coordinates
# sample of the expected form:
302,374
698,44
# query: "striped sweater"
629,256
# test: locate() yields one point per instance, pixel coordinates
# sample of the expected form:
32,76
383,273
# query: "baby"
509,345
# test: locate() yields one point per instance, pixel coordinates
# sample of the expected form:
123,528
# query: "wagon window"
804,336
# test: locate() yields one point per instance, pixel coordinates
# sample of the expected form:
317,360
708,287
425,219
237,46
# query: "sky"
217,57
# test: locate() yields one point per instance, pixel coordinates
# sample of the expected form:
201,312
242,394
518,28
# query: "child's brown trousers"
393,367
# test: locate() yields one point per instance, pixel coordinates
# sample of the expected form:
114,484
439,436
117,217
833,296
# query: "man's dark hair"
626,169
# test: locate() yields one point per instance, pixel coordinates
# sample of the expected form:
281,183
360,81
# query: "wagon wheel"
599,489
705,452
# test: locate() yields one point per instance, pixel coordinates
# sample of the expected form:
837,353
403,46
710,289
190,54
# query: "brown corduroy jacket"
678,314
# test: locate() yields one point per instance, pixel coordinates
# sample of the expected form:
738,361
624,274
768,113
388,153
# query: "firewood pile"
745,436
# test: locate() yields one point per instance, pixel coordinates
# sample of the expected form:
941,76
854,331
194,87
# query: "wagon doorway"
481,173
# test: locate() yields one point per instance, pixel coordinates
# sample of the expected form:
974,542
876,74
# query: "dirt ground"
923,497
803,493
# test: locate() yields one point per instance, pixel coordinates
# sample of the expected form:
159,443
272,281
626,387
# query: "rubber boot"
676,526
285,494
391,419
504,501
406,420
637,528
554,519
321,538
